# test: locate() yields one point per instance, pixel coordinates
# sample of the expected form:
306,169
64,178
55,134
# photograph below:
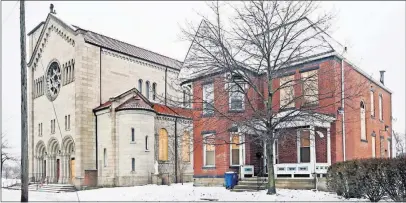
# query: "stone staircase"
55,188
253,184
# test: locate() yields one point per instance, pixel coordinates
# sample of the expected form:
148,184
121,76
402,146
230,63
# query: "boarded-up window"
287,92
380,108
163,145
186,147
235,150
310,87
209,150
305,146
372,103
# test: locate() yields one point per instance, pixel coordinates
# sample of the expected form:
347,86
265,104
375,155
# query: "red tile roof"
174,111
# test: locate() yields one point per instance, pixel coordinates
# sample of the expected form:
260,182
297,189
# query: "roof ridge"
129,44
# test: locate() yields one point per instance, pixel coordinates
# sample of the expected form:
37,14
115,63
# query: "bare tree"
5,156
400,143
257,43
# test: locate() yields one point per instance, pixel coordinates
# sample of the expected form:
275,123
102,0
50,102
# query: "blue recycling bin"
230,179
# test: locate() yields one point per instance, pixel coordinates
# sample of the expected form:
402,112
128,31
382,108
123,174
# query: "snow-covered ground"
175,192
8,182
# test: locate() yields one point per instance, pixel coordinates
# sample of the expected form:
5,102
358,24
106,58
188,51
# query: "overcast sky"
373,31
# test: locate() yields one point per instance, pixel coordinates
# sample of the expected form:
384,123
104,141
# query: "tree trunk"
270,165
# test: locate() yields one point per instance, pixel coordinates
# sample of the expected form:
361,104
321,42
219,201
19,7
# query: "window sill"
207,115
209,167
133,142
373,117
147,150
362,140
236,110
133,172
381,120
163,162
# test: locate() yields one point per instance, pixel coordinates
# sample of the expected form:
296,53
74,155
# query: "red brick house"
367,120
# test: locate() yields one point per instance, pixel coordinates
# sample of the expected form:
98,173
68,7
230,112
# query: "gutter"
97,159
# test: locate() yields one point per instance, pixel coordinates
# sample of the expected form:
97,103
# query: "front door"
72,169
44,174
57,170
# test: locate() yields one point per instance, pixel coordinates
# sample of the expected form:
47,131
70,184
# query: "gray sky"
373,31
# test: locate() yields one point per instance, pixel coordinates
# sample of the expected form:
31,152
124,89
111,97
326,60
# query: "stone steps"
55,188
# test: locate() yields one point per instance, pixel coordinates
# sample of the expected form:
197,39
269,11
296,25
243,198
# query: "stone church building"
102,112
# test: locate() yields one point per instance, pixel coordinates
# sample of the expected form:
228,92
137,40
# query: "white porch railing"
300,169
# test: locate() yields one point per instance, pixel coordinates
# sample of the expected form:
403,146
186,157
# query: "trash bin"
230,179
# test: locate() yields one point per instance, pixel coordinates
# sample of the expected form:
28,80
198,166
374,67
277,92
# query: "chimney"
382,76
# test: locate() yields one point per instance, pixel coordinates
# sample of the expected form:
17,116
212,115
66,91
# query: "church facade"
102,112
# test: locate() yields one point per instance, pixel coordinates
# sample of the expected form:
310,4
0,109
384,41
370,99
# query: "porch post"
312,149
328,147
298,145
274,151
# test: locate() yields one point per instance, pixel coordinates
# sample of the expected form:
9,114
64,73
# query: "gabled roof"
328,47
113,44
128,49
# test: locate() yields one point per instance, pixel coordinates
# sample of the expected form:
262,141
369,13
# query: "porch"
303,147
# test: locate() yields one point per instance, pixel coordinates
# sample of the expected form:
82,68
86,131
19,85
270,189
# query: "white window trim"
204,151
229,87
208,99
241,153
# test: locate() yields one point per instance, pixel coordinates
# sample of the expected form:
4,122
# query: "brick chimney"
382,72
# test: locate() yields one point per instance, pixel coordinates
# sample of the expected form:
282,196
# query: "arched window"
186,147
146,143
163,144
132,164
153,91
363,121
140,85
147,89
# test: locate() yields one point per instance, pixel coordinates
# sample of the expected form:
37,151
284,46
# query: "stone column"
312,149
328,147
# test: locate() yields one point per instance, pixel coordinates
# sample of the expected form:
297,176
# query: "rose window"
53,81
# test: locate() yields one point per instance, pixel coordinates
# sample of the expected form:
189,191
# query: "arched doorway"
54,166
40,162
68,160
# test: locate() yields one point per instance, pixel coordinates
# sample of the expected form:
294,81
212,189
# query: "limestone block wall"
143,123
121,73
168,167
54,46
87,97
105,160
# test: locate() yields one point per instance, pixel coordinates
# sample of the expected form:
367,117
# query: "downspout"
166,76
342,105
176,150
97,152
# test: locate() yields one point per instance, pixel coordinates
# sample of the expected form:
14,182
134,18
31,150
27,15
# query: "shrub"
372,178
393,178
370,170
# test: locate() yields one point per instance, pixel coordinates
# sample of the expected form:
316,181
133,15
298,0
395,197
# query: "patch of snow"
9,182
174,192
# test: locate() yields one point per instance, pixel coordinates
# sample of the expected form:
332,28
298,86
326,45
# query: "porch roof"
290,119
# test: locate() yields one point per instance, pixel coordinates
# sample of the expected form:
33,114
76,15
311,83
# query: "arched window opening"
147,89
140,85
363,121
163,144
